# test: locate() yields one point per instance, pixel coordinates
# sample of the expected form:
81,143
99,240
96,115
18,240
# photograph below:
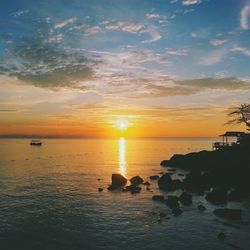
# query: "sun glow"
122,125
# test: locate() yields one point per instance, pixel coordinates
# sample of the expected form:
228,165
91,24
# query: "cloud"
244,16
37,62
152,16
132,28
178,52
65,23
244,51
153,32
213,58
190,2
217,42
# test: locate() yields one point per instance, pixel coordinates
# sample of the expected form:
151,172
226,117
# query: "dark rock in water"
148,189
146,183
201,208
118,181
100,189
172,201
166,183
171,169
158,198
176,211
228,213
217,196
154,177
193,181
185,198
165,163
136,180
162,215
221,236
234,195
180,174
133,189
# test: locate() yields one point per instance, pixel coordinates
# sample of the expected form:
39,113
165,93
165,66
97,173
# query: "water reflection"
122,156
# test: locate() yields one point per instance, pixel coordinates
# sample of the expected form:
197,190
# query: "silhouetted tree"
240,114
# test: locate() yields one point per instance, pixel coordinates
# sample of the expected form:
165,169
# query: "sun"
122,124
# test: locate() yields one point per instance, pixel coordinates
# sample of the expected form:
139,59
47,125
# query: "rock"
180,174
100,189
99,179
148,188
158,198
133,189
166,183
118,181
185,198
193,181
201,207
146,183
136,180
171,169
221,236
172,201
165,163
228,213
234,195
176,211
162,215
154,177
217,196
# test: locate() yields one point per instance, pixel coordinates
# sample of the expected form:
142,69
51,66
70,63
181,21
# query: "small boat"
36,143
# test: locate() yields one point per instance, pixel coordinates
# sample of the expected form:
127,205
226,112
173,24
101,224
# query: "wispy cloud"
244,16
217,42
65,22
126,26
213,58
191,2
178,52
244,51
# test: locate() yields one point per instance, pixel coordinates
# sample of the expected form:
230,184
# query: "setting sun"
122,125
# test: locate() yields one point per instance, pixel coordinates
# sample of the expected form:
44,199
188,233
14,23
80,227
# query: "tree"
240,114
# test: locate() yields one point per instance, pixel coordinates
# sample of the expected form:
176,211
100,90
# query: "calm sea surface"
49,199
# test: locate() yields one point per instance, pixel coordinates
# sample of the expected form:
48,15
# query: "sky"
167,68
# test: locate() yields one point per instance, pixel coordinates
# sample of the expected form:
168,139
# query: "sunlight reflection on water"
122,157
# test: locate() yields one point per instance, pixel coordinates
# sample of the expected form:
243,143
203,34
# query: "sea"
49,198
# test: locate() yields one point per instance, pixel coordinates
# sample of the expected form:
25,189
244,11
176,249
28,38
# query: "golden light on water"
122,157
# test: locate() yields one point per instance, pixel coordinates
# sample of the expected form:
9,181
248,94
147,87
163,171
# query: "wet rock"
185,198
118,181
148,188
172,201
154,177
146,183
133,189
171,169
158,198
136,180
166,183
162,215
234,195
201,207
221,236
217,196
176,211
100,189
180,174
228,213
165,163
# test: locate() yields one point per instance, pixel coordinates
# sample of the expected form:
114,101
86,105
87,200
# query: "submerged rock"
176,211
221,236
234,195
172,201
133,189
166,183
158,198
154,177
146,183
136,180
118,181
185,198
228,213
201,207
217,196
100,189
